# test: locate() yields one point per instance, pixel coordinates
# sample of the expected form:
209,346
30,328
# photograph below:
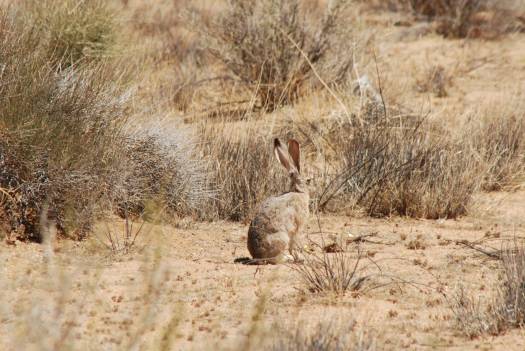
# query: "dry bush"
65,145
336,272
394,164
402,165
56,129
411,165
497,136
464,18
269,46
512,294
457,18
162,166
445,7
325,337
505,310
242,166
71,30
405,164
472,317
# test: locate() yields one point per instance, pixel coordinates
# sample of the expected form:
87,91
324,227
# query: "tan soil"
215,298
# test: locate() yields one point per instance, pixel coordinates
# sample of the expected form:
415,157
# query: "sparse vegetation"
272,47
335,273
456,16
476,316
487,19
326,337
512,293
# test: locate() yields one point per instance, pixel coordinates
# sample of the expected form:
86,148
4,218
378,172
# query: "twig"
380,86
494,254
360,238
3,191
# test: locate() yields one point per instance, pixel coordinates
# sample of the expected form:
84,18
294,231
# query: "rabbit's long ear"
295,153
281,154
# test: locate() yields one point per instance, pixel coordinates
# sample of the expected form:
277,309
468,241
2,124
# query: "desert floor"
186,273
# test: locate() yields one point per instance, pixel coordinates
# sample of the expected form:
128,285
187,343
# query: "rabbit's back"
276,224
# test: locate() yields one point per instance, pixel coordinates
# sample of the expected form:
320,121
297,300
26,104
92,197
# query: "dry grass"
336,273
73,31
472,316
513,288
270,47
326,337
243,168
401,164
496,134
475,316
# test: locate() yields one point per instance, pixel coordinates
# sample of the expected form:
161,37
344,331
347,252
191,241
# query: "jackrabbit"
280,220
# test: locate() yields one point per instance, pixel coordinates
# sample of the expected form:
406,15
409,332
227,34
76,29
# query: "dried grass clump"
71,30
497,136
512,294
472,316
270,46
505,310
242,166
336,272
402,165
325,337
162,166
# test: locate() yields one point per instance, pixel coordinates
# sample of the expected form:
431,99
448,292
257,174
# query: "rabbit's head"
290,159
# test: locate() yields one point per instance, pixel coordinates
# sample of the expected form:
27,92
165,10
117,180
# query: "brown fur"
275,230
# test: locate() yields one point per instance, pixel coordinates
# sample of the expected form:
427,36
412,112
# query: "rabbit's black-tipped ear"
281,154
295,153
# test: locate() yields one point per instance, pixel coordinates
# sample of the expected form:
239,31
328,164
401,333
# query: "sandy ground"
110,300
